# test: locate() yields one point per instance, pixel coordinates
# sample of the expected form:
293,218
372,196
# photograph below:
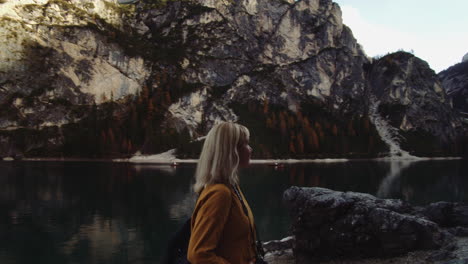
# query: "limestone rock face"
455,82
251,50
152,78
57,59
329,224
413,100
53,61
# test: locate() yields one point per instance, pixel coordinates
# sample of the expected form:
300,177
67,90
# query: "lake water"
99,212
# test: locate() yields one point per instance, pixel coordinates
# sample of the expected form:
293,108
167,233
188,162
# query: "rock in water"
329,224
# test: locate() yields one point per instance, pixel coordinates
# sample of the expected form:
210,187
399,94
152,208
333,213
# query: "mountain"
455,81
465,58
98,79
411,96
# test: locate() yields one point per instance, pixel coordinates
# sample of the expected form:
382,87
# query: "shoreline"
172,161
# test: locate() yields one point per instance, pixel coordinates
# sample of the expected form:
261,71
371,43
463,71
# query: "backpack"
176,251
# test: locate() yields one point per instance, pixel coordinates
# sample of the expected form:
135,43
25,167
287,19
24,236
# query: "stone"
63,58
279,245
456,261
447,214
455,83
331,224
279,251
411,96
440,255
459,231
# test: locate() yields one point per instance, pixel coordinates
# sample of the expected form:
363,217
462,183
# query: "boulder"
279,251
447,214
331,224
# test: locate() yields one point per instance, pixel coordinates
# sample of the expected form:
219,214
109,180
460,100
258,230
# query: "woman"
223,229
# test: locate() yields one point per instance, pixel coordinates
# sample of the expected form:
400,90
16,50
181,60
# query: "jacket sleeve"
208,221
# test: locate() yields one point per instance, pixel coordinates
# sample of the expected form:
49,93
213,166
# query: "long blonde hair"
219,159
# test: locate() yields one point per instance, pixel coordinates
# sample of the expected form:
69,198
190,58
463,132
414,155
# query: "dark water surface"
92,212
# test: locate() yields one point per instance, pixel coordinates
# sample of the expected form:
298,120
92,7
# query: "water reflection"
418,182
89,213
75,212
396,167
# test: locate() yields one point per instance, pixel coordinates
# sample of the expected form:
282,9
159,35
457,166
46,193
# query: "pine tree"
366,124
282,123
291,122
292,149
269,123
319,130
313,140
351,130
265,106
273,120
300,144
334,130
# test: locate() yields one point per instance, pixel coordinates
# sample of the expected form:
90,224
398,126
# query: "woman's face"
245,151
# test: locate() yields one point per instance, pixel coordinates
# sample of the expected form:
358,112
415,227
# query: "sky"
434,30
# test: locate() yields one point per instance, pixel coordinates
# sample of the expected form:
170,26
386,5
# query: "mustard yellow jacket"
221,232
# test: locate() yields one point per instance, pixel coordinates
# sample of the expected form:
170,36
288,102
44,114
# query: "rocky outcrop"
94,78
52,55
279,251
330,224
414,102
58,59
455,82
465,58
286,52
447,214
292,54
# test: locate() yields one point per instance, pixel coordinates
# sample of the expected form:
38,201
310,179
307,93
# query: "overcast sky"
435,30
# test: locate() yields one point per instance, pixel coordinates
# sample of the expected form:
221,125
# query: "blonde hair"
219,159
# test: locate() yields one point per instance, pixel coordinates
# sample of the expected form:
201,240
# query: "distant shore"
173,161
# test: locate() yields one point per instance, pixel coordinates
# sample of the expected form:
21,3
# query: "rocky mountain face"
455,82
465,58
59,58
93,78
414,101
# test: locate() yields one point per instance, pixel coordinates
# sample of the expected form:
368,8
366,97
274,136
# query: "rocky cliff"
455,82
413,100
59,58
465,58
93,78
349,227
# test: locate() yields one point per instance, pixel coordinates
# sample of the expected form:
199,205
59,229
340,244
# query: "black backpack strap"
177,247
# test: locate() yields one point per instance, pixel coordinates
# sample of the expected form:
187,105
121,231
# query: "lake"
103,212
